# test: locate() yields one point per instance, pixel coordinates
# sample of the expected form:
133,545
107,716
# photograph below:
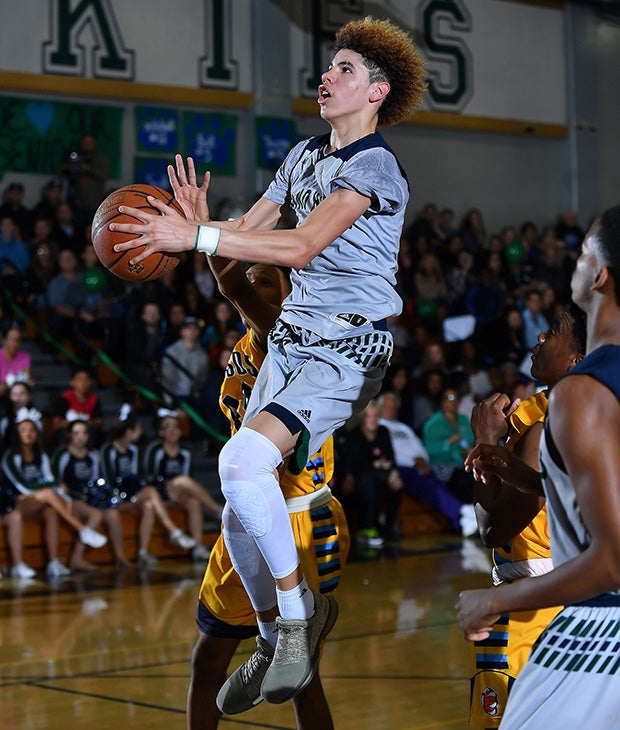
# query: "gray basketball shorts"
314,386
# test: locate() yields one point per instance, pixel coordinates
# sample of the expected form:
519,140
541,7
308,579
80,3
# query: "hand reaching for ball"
191,198
118,215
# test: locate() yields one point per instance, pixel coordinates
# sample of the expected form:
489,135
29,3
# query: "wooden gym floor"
111,651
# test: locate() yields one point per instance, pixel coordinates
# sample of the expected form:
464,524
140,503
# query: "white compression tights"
247,466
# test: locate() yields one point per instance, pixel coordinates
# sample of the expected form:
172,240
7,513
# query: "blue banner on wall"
211,139
151,170
275,137
157,129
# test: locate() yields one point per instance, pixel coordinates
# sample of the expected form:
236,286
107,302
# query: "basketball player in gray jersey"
571,677
330,348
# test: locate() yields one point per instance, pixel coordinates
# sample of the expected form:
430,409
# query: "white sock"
269,631
298,603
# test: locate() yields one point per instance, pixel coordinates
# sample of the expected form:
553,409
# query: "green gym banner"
38,135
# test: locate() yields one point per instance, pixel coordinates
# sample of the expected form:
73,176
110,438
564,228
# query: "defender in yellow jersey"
225,614
514,523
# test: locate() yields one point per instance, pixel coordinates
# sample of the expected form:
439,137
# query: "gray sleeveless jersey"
356,273
569,535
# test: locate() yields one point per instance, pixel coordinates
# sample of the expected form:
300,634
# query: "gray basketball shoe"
241,691
297,653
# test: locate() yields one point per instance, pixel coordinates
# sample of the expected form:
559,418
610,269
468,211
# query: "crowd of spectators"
173,335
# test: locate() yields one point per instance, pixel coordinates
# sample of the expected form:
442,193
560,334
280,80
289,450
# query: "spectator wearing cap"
13,206
51,197
185,365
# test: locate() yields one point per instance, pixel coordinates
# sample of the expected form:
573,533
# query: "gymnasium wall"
520,119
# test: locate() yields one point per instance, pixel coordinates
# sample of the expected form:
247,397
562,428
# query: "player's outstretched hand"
191,197
475,615
168,231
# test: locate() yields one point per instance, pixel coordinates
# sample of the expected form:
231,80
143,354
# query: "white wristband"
207,238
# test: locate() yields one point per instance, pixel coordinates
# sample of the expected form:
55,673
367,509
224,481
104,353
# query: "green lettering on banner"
66,52
38,135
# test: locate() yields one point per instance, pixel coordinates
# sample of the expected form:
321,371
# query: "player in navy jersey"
330,348
569,679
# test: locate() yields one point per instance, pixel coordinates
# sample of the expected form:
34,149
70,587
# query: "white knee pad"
246,465
249,563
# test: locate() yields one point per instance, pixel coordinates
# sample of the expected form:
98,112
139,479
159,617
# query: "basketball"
157,264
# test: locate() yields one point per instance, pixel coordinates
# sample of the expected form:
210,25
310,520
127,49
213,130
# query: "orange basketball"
104,240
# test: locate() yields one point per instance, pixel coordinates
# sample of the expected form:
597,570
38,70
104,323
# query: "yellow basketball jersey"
533,541
241,371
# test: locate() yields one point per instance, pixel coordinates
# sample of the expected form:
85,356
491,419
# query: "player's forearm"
590,574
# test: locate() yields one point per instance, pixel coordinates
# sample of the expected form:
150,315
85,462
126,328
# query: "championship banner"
38,135
211,139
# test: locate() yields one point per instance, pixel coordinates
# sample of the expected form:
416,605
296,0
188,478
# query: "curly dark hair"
389,55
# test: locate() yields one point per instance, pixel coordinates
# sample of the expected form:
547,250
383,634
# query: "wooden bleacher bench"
418,518
34,548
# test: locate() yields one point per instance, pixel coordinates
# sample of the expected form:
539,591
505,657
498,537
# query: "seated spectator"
554,266
224,317
202,276
51,197
430,283
507,342
480,384
67,232
41,271
14,257
18,395
144,346
209,404
371,479
14,208
533,319
120,468
195,304
569,230
448,438
15,363
458,280
77,469
29,486
472,231
419,480
42,236
60,298
173,322
79,400
427,397
168,466
184,365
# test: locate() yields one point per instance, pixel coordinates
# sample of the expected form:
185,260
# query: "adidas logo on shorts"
305,415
